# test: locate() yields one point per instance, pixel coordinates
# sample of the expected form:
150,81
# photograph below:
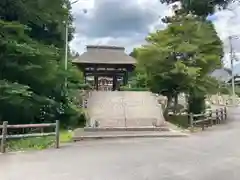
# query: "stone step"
127,134
104,129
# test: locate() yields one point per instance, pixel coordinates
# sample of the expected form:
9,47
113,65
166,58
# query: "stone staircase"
108,109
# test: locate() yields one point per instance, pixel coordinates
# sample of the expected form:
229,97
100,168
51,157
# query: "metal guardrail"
207,119
6,126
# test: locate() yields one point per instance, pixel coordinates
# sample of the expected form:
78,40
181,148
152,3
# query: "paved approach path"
213,154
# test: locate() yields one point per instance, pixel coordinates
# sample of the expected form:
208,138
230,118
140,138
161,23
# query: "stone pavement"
210,155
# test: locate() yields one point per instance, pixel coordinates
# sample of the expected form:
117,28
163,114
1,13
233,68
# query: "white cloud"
227,24
116,22
141,17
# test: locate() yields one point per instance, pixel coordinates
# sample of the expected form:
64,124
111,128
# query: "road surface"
210,155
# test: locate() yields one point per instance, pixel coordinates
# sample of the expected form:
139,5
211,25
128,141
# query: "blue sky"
212,17
127,22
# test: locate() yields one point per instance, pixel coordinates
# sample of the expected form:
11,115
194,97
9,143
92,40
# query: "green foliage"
208,53
85,86
196,103
66,136
37,143
200,7
138,79
180,57
237,90
43,18
225,90
179,120
134,53
205,85
176,58
32,74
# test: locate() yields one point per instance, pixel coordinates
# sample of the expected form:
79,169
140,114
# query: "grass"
65,136
178,120
38,143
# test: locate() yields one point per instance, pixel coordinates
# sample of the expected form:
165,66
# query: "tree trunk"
196,103
169,102
175,103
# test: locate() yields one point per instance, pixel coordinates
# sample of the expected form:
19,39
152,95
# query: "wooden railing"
5,136
209,118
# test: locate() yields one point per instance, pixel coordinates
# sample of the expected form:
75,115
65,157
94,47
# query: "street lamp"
66,44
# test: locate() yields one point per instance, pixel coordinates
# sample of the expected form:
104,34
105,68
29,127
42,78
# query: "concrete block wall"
124,109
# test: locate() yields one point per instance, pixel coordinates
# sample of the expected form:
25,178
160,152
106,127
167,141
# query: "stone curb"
94,137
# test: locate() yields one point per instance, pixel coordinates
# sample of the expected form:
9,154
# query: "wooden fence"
209,118
4,137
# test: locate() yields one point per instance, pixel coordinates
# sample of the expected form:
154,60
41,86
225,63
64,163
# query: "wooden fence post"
222,115
203,123
225,113
210,117
4,136
217,116
57,134
191,121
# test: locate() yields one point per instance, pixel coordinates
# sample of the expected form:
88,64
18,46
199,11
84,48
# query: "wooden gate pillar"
96,81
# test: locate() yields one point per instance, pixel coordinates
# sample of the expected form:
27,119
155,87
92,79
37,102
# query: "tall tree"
31,72
45,19
178,58
201,9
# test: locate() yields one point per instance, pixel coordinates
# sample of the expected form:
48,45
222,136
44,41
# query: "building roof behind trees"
105,55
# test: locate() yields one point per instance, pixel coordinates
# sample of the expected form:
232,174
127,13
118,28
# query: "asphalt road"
210,155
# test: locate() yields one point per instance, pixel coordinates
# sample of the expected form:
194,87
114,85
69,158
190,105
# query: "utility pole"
66,50
232,68
66,44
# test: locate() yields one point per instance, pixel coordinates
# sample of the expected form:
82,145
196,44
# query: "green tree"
31,72
134,53
201,7
45,19
180,57
137,78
